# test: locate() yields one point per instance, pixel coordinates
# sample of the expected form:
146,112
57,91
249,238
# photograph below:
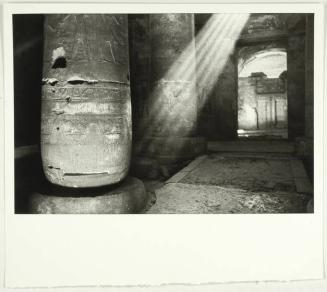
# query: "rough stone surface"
86,112
261,108
244,173
296,85
235,183
172,105
165,95
181,198
264,25
128,197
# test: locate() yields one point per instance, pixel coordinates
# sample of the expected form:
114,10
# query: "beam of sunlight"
199,65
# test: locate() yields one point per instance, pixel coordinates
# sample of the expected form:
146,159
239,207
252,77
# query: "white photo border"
131,250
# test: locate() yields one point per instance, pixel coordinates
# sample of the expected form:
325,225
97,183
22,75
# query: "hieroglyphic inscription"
76,126
86,112
89,37
78,92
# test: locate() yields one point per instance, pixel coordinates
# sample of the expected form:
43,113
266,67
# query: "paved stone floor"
235,183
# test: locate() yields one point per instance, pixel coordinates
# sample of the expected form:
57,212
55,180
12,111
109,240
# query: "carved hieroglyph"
86,111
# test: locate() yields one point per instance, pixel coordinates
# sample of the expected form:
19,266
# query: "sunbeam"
198,65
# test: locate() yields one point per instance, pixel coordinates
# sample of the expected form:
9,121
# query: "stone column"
86,112
309,94
296,75
86,118
169,125
309,73
300,86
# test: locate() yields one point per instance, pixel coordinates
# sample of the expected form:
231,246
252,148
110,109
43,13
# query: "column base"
127,197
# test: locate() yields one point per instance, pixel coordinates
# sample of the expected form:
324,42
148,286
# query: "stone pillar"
174,94
303,52
86,128
309,94
296,76
86,112
309,73
169,124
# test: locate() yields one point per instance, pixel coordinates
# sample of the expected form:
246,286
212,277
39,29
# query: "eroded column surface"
86,112
170,116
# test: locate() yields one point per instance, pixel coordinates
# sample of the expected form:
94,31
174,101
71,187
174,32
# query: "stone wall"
258,96
247,104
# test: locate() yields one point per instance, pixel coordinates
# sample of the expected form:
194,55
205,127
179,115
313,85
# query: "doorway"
262,93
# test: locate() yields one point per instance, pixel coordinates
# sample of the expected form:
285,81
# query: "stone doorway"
262,92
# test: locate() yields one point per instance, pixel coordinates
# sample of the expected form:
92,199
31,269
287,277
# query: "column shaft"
169,123
86,112
173,100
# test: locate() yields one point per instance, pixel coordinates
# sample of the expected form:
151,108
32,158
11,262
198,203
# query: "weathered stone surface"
181,198
172,105
260,105
262,100
296,85
248,173
263,25
166,109
127,197
235,183
86,111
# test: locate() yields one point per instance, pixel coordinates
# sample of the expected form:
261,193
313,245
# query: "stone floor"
235,182
234,177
